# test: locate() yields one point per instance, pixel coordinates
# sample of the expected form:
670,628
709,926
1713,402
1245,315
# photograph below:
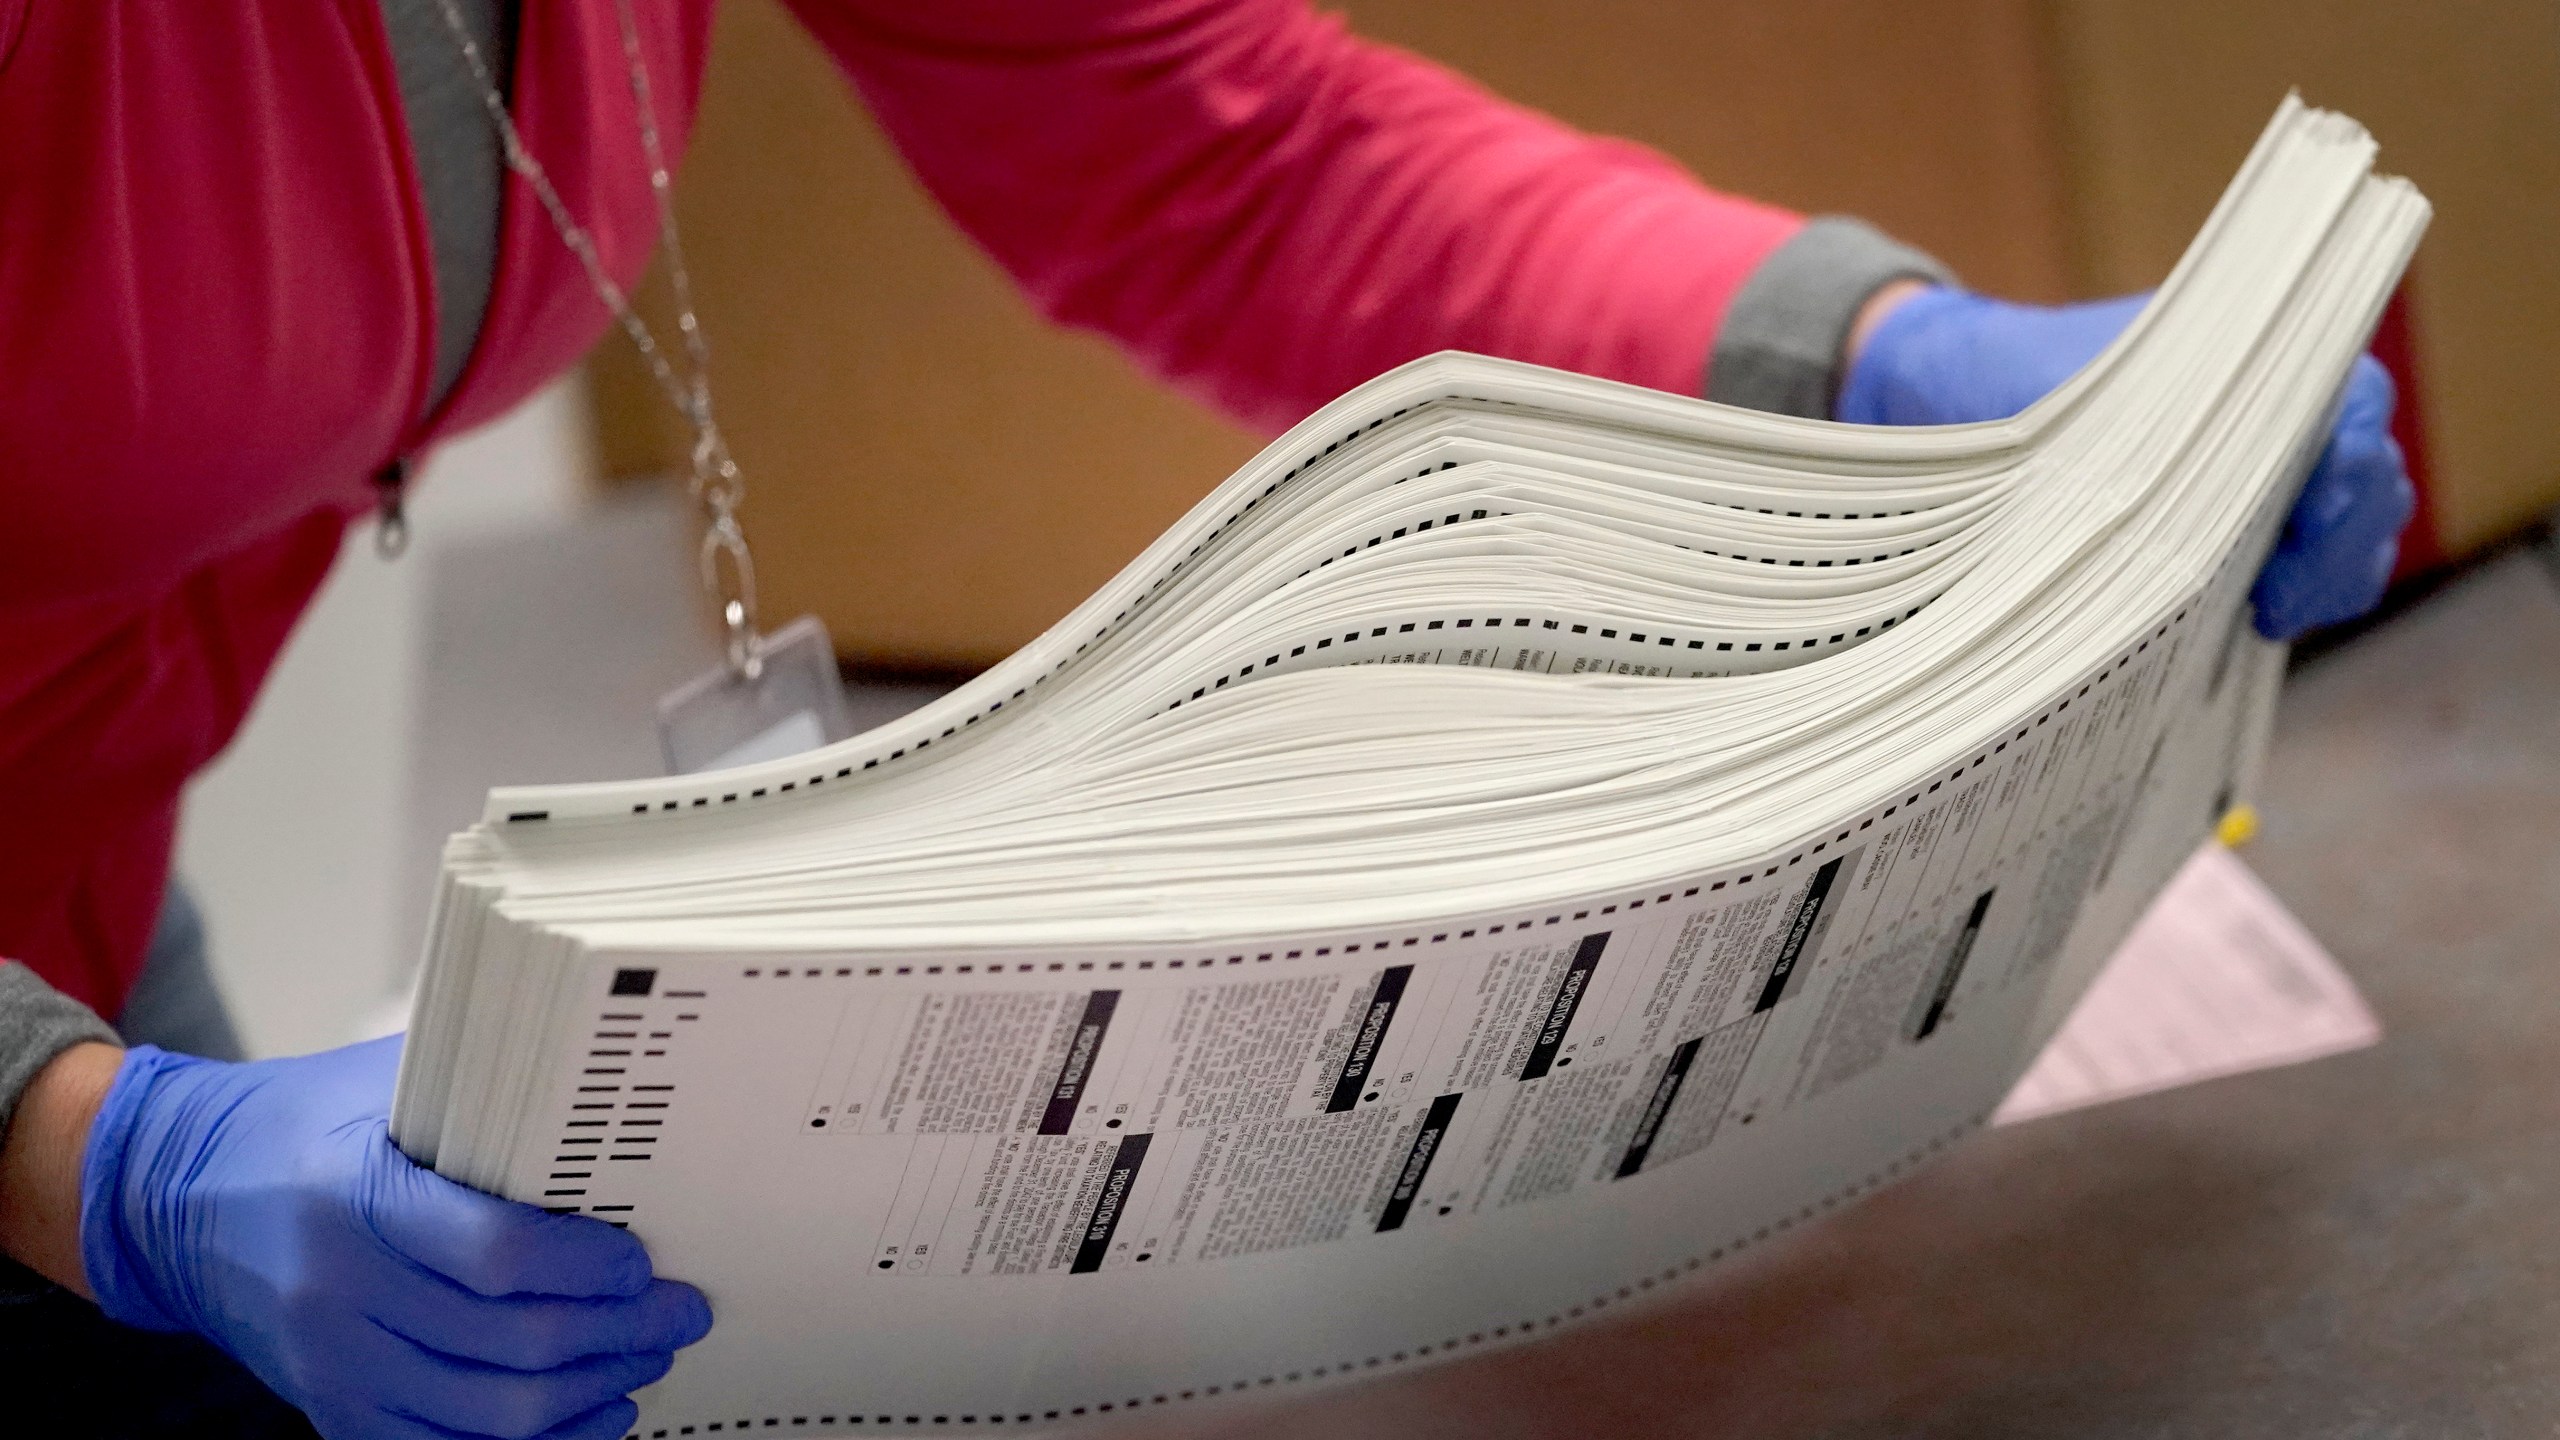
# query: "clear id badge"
791,700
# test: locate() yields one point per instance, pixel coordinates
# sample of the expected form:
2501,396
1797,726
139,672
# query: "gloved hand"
264,1206
1944,357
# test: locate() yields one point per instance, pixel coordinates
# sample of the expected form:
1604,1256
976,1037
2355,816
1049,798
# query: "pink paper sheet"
2217,979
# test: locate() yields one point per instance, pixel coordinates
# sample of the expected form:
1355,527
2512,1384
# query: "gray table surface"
2362,1246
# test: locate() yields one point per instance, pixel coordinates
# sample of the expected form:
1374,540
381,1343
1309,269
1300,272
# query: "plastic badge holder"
795,702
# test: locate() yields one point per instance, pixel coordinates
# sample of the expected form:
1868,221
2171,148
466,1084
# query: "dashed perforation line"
1625,634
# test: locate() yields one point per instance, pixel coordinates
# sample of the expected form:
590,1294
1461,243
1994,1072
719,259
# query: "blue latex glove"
1945,357
264,1207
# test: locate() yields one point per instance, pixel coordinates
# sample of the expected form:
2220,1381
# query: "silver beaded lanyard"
728,569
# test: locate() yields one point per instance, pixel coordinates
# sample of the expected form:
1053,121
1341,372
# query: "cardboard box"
940,475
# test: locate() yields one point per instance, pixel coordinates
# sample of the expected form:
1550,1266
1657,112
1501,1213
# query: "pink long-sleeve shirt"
217,307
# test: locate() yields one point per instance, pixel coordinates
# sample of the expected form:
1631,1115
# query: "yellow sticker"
2239,826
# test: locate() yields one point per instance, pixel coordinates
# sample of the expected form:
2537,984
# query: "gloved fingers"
2324,568
2335,556
538,1333
374,1424
2368,400
493,1246
2361,471
2355,588
2310,582
609,1421
482,1400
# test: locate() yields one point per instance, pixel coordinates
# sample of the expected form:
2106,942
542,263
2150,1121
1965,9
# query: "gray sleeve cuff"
1779,350
37,1022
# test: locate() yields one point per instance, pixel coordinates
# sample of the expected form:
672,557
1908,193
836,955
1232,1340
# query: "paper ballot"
2217,979
1518,841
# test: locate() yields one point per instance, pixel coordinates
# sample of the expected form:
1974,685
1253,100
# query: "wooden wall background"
940,475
